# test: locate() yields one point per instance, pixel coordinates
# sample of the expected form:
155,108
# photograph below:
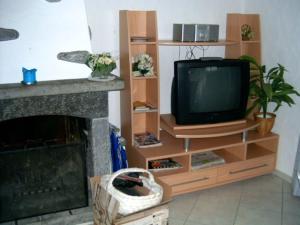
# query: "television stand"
245,152
188,132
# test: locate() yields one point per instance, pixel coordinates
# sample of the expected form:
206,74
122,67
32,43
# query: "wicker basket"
130,204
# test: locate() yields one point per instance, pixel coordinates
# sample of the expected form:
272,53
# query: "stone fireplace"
73,98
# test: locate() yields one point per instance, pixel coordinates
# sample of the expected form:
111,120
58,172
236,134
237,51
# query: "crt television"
209,90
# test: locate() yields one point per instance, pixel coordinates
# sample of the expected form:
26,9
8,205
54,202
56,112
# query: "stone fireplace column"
99,156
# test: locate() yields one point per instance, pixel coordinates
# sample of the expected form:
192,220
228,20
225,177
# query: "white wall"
103,18
49,28
280,44
45,30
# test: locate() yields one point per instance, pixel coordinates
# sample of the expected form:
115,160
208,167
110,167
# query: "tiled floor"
265,200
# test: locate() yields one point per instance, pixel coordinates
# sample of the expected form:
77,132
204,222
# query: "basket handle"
129,170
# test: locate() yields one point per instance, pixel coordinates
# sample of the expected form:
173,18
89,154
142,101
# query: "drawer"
190,181
246,169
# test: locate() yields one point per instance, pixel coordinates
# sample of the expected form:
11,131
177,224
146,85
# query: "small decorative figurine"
29,76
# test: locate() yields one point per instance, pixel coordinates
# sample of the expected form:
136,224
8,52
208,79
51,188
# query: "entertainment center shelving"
245,152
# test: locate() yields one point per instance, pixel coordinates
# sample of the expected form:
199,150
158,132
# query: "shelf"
145,111
144,77
253,136
171,147
143,42
177,43
218,131
251,42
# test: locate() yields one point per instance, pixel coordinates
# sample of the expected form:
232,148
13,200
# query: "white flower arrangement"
101,64
142,65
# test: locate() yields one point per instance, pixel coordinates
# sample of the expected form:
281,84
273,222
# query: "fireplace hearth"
42,166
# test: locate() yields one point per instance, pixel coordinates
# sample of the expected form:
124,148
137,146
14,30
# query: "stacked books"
163,164
145,140
142,106
206,159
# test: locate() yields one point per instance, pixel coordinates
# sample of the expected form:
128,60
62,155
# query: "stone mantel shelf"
57,87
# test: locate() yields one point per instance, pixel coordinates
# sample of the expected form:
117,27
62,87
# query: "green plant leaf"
254,104
250,59
268,90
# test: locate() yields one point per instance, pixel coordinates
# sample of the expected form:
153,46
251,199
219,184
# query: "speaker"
195,32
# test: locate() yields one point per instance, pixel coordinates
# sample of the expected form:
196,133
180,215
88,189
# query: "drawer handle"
193,181
244,170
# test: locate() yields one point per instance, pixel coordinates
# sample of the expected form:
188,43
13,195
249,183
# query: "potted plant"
142,65
247,33
101,64
267,87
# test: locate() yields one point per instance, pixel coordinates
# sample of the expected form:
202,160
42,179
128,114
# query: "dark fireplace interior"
42,166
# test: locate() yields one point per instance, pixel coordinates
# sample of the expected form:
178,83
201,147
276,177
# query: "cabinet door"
246,169
187,182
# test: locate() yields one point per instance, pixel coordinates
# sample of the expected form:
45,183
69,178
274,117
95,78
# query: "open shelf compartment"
252,49
253,21
262,148
145,90
182,160
151,50
146,122
142,24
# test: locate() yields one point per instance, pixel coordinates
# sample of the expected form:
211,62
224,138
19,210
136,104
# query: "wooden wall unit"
244,158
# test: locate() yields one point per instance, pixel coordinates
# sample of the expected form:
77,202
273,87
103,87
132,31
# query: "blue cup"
29,76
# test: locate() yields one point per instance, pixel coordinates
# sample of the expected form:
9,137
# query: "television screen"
209,91
214,89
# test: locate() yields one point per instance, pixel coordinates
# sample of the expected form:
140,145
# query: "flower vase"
101,76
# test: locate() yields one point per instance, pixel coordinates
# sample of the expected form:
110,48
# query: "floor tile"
70,220
35,223
233,189
175,222
30,220
290,219
287,187
195,223
181,206
8,223
262,200
250,216
213,207
265,183
81,210
55,215
291,204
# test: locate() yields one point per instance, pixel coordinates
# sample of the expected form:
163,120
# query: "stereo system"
195,32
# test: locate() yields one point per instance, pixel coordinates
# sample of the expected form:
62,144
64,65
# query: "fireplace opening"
42,166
